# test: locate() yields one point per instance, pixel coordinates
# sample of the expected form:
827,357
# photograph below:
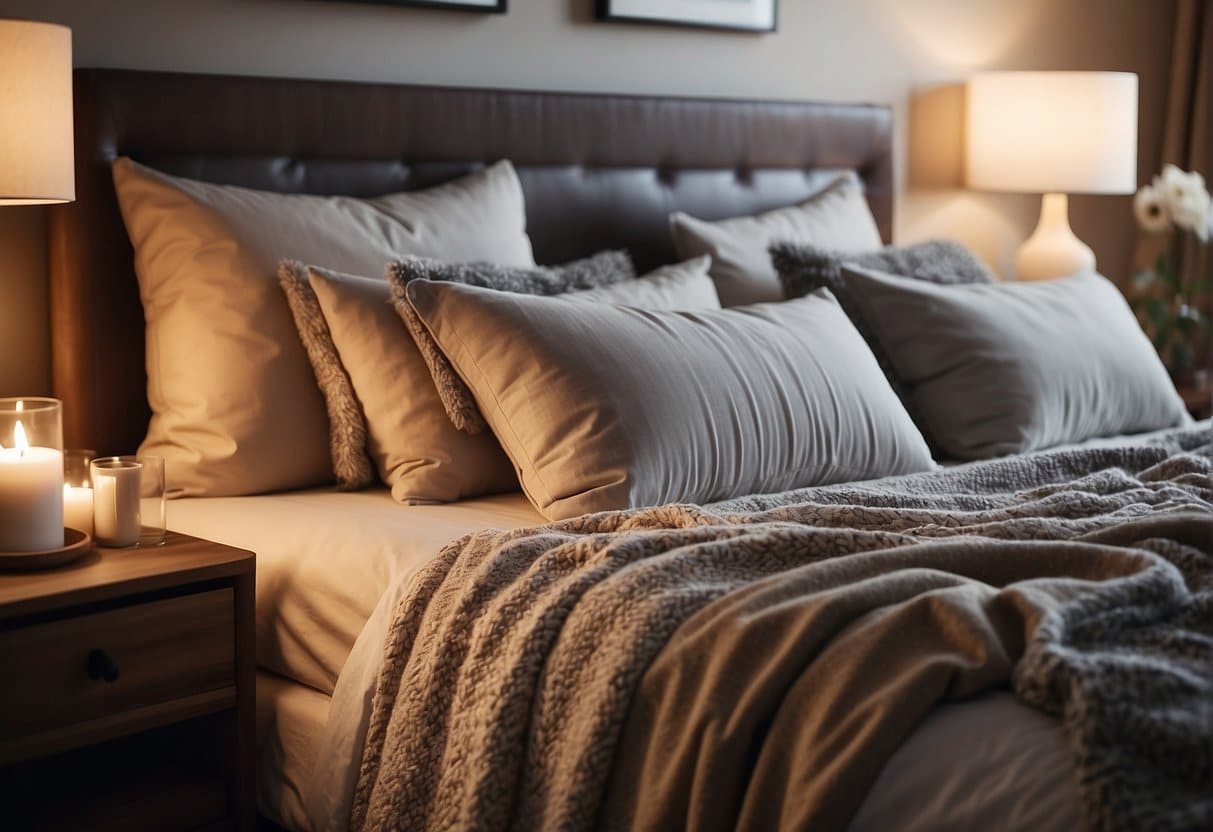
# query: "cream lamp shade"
36,164
1053,133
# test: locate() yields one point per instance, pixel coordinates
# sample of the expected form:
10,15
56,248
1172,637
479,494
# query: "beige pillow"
837,218
417,449
610,407
680,286
235,406
1008,368
419,453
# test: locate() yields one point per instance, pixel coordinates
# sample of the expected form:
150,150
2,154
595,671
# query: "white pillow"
235,405
836,218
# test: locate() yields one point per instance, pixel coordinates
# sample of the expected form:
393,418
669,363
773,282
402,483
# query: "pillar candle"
31,499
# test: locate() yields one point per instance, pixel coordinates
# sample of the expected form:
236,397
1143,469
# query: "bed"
598,172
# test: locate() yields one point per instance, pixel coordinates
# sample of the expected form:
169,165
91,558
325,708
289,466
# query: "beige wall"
849,50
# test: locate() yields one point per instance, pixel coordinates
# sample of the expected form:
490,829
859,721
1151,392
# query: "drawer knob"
101,666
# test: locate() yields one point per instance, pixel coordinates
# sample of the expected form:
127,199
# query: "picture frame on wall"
736,15
482,6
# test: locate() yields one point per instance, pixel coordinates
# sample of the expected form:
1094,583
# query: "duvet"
754,664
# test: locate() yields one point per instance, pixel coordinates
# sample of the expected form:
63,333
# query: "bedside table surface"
105,574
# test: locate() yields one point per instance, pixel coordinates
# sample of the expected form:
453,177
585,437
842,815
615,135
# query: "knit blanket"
753,664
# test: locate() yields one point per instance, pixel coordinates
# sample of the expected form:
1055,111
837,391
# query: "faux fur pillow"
804,268
602,269
347,426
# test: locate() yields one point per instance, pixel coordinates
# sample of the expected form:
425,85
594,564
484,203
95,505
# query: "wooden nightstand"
128,692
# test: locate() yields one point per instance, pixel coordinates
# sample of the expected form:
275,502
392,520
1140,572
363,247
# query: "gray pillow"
602,269
1007,368
803,267
605,407
685,286
837,217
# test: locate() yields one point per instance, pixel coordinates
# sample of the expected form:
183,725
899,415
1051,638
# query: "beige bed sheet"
290,719
328,560
324,558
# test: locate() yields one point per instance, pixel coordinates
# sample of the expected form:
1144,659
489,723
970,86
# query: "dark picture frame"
499,7
614,11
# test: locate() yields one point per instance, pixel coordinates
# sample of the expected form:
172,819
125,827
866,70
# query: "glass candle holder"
78,489
31,474
128,501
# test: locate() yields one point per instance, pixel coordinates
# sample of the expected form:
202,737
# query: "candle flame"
20,406
20,442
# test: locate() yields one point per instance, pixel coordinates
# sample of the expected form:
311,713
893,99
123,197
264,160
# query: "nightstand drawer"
124,664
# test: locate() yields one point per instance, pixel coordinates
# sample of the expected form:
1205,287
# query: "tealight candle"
77,490
31,475
78,508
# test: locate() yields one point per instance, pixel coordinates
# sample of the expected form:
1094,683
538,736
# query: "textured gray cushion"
610,407
803,267
1013,367
837,217
602,269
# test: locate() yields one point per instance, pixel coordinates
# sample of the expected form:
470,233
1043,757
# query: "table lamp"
36,165
1053,133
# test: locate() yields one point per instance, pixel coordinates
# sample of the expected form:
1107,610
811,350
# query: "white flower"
1151,209
1186,199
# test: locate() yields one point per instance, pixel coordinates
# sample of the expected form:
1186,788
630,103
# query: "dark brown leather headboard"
598,171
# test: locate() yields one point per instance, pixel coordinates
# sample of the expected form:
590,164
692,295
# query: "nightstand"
128,692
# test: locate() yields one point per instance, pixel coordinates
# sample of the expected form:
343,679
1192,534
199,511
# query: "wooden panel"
107,574
124,785
125,723
164,650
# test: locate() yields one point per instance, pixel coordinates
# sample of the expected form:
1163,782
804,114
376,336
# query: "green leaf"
1156,311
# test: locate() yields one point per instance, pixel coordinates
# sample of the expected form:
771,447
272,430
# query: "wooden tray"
75,544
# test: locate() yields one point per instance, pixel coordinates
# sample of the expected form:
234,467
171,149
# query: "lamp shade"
36,163
1053,132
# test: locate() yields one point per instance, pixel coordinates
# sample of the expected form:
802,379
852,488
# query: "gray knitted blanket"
753,664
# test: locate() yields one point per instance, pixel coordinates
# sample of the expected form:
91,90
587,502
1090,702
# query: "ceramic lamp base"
1053,250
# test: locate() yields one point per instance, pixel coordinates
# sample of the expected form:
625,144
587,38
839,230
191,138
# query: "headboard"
598,171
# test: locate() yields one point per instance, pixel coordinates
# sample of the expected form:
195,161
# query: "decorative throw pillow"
609,407
1008,368
837,218
416,450
235,405
685,286
347,427
602,269
803,267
